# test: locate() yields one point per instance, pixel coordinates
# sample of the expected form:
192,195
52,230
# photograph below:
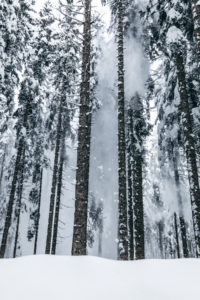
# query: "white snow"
90,278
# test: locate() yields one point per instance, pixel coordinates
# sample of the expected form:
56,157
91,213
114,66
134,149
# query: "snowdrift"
89,278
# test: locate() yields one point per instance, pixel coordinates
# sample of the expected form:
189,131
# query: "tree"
79,243
25,94
172,36
189,147
196,19
64,68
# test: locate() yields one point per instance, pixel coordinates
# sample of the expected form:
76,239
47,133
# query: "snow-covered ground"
90,278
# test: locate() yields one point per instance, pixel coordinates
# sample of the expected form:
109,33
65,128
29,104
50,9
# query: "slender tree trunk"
184,237
13,187
79,244
100,244
160,237
181,218
123,230
2,167
189,149
19,204
59,191
138,182
196,19
138,209
176,236
38,215
54,178
130,183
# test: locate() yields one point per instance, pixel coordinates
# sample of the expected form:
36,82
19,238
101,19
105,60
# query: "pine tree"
123,231
79,243
118,13
19,203
173,37
130,170
26,96
42,55
64,68
58,196
196,19
189,147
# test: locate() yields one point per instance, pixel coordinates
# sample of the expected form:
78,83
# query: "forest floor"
89,278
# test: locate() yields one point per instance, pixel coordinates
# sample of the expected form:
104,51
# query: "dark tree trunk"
2,167
196,20
176,236
138,208
19,204
123,230
184,237
54,178
13,187
38,215
59,192
138,179
189,148
130,183
79,244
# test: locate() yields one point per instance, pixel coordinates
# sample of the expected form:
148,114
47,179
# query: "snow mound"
89,278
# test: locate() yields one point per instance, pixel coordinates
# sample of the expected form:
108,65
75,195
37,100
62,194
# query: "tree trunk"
79,244
123,230
181,218
138,208
130,183
138,180
38,215
2,167
54,179
196,20
176,236
19,204
160,237
59,191
13,186
189,148
184,237
100,244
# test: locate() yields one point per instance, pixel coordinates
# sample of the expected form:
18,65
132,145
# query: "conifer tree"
64,68
196,20
79,243
173,38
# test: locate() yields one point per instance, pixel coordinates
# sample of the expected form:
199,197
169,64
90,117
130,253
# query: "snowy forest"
100,128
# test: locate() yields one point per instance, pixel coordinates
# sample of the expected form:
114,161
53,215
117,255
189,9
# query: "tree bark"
189,148
79,244
160,237
184,237
54,178
176,236
13,186
138,209
130,183
123,230
19,204
38,215
196,20
181,217
59,191
2,167
138,180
